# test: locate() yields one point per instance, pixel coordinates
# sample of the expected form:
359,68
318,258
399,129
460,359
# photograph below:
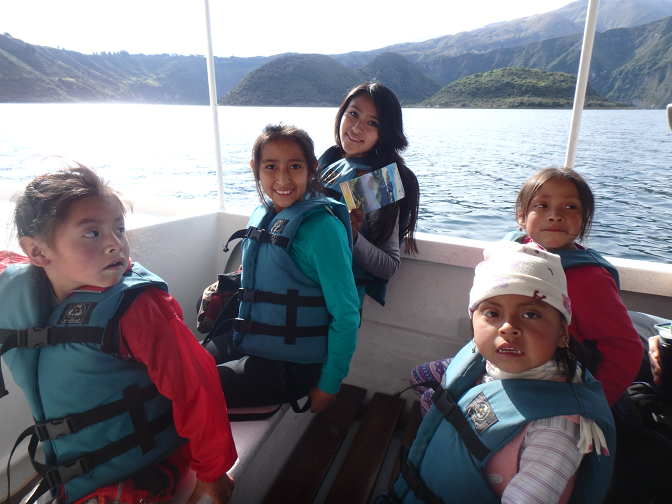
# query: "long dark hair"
391,142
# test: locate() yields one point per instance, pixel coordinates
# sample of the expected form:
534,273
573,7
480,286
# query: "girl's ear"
34,250
251,165
564,335
521,218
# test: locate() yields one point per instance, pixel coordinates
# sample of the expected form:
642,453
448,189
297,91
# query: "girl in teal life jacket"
514,419
369,134
298,318
113,376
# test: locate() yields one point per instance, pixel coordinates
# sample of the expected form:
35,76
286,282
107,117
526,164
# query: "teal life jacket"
571,257
468,424
282,314
333,171
100,418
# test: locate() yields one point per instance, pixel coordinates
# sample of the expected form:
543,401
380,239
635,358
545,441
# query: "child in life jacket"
299,314
555,209
369,134
515,419
125,399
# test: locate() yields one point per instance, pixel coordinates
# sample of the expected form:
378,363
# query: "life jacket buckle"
255,233
33,337
47,431
242,325
246,295
65,472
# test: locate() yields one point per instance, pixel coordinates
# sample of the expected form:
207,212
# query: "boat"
425,317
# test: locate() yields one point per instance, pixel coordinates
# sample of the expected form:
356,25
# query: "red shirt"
154,334
599,315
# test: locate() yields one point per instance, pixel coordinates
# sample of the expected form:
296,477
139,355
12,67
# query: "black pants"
249,380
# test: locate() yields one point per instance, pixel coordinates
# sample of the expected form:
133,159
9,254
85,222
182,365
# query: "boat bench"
304,472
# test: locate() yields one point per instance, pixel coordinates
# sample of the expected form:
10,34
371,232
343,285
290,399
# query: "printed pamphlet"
373,190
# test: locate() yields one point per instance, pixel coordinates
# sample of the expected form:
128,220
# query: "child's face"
359,126
89,247
555,215
517,333
283,173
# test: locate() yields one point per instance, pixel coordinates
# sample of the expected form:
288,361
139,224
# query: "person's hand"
654,360
219,491
320,401
356,218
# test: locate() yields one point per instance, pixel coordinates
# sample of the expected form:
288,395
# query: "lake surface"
470,163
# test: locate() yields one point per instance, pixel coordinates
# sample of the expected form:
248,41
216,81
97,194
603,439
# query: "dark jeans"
249,380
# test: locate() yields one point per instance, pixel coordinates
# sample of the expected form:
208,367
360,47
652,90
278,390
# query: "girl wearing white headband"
520,314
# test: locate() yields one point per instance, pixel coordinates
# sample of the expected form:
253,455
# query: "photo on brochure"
373,190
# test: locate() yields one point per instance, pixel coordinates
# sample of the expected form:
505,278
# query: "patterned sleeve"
548,459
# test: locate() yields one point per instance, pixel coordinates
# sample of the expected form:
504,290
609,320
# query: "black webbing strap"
451,412
363,282
34,337
139,419
65,472
300,409
412,478
112,335
332,193
291,298
289,333
261,235
47,431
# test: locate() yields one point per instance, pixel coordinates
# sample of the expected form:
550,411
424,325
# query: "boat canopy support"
212,87
582,81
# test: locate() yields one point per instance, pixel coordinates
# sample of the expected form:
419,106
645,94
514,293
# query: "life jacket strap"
363,282
34,337
53,429
332,193
412,478
260,235
63,473
451,413
290,299
289,333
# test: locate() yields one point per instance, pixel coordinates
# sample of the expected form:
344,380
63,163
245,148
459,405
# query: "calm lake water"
470,163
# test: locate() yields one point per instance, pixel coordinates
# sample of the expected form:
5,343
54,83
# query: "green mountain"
629,64
514,88
31,73
403,77
310,80
318,80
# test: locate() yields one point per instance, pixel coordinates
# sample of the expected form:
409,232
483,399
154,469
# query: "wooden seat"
358,474
300,478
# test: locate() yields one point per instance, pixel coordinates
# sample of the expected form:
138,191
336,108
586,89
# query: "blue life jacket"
571,257
457,438
100,418
283,314
333,170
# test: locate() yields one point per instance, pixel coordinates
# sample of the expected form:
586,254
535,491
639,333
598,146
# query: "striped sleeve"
548,458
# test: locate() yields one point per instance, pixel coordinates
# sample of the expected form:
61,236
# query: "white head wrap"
527,270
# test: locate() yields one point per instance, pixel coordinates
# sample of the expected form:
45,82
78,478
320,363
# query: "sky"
250,28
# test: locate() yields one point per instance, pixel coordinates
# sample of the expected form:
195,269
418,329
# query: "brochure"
373,190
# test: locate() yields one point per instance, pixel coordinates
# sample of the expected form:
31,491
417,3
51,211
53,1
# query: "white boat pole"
582,81
213,107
